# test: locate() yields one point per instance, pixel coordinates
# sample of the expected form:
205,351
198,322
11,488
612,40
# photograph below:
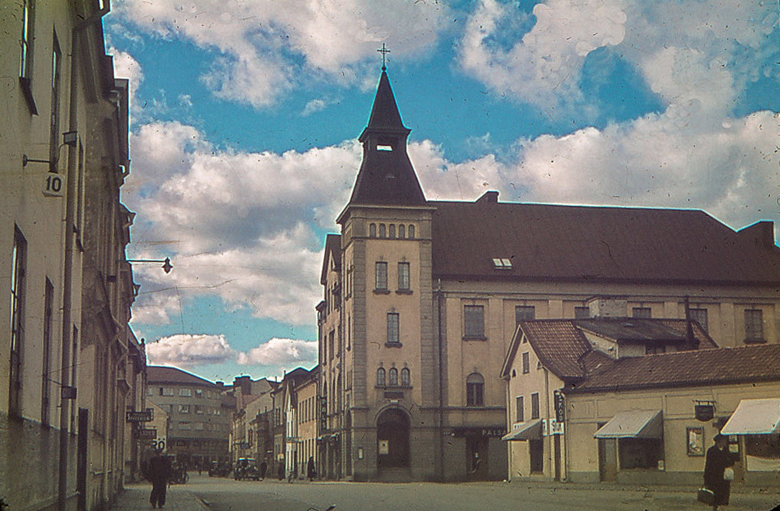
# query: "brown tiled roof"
585,243
747,364
559,344
165,374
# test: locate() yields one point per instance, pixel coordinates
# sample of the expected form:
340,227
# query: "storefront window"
640,452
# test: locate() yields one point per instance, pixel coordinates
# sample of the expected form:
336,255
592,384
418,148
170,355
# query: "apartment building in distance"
199,418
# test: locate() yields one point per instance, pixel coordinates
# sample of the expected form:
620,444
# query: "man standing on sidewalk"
158,474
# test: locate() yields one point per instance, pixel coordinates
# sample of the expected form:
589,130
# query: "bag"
705,496
728,474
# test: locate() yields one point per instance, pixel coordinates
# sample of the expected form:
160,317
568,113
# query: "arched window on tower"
382,231
372,230
380,377
411,231
406,379
393,376
402,231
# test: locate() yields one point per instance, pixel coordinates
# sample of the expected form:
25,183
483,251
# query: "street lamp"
167,266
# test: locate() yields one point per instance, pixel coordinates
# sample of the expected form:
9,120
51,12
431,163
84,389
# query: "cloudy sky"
246,113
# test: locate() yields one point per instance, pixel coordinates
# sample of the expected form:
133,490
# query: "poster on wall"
695,438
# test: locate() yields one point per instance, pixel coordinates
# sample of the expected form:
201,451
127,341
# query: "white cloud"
188,351
261,44
185,350
314,106
543,66
287,353
691,53
237,225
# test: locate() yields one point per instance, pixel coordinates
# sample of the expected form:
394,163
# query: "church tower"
384,377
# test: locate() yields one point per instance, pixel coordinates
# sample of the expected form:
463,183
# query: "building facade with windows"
650,420
546,357
71,366
421,300
199,423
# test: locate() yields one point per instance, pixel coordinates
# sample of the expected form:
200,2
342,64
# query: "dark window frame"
474,322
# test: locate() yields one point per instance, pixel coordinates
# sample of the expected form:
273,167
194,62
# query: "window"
654,350
581,312
18,270
26,56
185,426
754,325
391,229
198,393
474,321
524,313
403,276
382,231
526,362
700,316
502,264
166,391
381,276
520,408
185,393
642,312
392,377
372,230
54,136
411,232
402,231
184,408
392,328
199,409
475,387
535,405
406,378
381,374
640,453
46,355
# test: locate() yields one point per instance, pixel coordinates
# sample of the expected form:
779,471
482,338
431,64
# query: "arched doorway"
392,435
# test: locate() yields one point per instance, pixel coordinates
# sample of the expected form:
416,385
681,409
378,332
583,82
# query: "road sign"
145,434
140,416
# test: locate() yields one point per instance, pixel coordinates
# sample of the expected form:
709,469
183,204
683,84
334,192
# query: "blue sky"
245,118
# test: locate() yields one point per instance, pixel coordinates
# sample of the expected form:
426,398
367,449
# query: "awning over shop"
754,417
633,424
530,430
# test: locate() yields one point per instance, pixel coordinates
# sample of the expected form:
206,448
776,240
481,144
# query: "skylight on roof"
502,264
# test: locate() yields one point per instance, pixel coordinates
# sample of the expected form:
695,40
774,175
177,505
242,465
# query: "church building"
422,299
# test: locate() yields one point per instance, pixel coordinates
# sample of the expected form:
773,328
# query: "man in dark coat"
718,458
158,473
311,471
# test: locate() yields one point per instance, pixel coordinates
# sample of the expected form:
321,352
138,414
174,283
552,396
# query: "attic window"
502,264
384,147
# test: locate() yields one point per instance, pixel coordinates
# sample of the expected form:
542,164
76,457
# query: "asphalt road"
228,495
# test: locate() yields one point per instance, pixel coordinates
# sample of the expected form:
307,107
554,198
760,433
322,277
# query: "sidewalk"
136,497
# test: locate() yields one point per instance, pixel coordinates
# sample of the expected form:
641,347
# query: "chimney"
490,197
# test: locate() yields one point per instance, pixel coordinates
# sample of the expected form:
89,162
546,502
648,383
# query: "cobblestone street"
203,493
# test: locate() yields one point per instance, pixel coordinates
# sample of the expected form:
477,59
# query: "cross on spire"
384,51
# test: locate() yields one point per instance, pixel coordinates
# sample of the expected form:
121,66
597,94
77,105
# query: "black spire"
386,176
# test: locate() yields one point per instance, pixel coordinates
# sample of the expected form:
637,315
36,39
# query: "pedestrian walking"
718,460
263,470
158,473
311,472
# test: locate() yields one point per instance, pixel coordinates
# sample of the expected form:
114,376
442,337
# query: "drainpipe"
70,241
439,301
